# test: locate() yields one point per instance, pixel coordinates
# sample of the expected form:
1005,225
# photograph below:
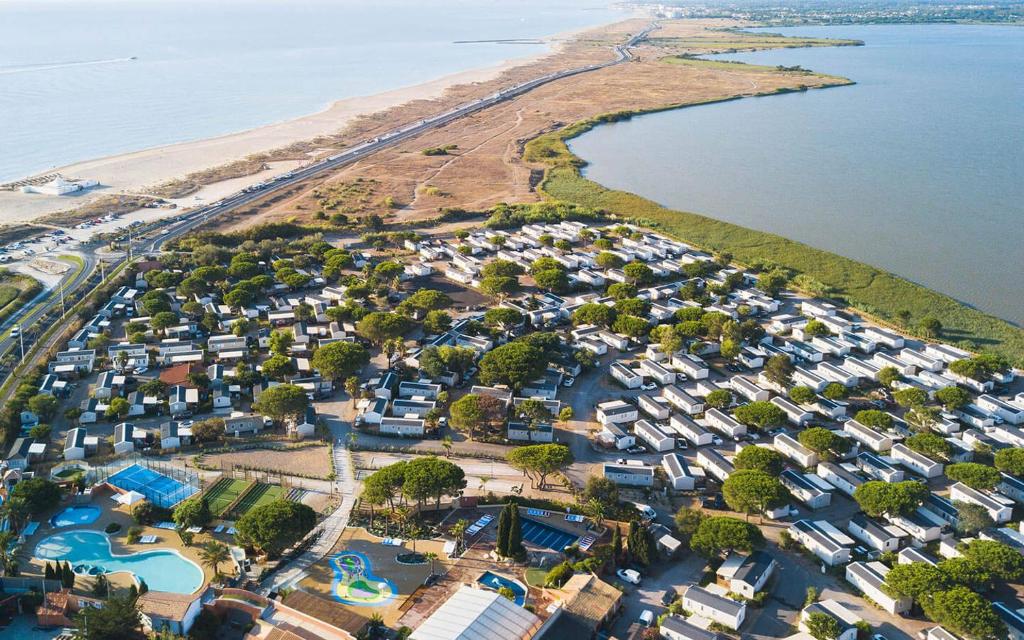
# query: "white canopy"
129,498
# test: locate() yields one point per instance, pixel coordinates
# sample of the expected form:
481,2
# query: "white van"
647,618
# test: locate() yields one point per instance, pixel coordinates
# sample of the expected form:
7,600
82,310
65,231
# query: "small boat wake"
47,66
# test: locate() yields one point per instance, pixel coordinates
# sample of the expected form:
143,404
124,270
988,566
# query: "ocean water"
70,90
917,169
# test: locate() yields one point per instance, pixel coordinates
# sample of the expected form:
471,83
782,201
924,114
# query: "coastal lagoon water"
917,169
70,90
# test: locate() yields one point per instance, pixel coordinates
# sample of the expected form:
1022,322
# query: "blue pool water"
75,516
161,569
494,581
159,489
543,535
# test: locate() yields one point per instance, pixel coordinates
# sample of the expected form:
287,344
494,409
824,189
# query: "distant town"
826,12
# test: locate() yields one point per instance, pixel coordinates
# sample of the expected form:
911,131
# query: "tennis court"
258,496
159,489
221,495
544,536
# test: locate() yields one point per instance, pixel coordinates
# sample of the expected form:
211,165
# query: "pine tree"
49,572
616,546
515,533
67,576
632,538
503,531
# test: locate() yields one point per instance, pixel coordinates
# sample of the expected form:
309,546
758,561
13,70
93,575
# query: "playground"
363,574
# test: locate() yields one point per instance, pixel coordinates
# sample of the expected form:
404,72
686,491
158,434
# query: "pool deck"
111,512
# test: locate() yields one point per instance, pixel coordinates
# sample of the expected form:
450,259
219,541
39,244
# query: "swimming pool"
161,490
75,516
494,581
547,536
161,569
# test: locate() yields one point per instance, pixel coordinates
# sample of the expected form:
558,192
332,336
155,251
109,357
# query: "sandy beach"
139,171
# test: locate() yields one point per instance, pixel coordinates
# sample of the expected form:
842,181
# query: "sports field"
258,496
221,495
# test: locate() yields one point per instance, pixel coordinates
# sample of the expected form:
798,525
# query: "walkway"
330,529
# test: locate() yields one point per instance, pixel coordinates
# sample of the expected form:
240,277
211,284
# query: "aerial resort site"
405,369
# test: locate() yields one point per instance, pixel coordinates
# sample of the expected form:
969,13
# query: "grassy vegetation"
866,288
726,65
535,577
735,39
224,493
16,290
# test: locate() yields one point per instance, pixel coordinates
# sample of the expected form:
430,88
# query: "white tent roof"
129,498
478,614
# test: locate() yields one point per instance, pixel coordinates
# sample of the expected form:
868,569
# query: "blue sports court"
159,489
543,535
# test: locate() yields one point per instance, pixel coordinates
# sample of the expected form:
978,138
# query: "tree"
278,367
608,260
879,498
931,327
616,545
835,391
379,326
875,419
929,444
760,414
974,475
718,534
338,360
688,521
999,560
427,300
638,273
802,395
823,442
1010,461
43,405
430,477
436,322
559,574
964,613
117,619
533,411
514,364
631,326
772,282
515,533
762,459
779,369
971,518
503,317
816,328
472,412
594,313
194,512
501,268
953,398
555,280
822,626
214,554
910,397
118,408
718,399
38,494
888,375
499,286
538,461
282,402
915,580
435,361
504,529
275,526
280,341
621,291
640,543
752,491
602,490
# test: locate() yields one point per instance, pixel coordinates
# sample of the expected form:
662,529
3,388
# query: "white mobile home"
694,367
629,475
678,473
714,463
794,413
616,412
690,430
839,477
916,462
706,604
652,407
724,423
805,489
999,508
795,451
877,536
822,539
867,436
746,387
869,577
659,373
682,400
653,436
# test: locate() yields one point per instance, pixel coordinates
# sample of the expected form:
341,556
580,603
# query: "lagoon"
915,169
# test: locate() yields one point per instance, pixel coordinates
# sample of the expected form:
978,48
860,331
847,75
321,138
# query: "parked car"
717,441
668,597
650,386
629,575
635,450
568,382
713,502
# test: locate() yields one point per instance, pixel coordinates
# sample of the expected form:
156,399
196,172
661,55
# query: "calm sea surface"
69,91
918,169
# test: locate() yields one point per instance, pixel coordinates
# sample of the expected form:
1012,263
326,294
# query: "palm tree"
401,516
458,532
6,558
213,555
415,531
446,442
484,480
596,510
430,555
376,623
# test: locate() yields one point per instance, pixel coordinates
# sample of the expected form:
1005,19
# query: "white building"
807,488
714,463
629,475
916,462
628,377
682,400
706,604
616,412
999,508
653,436
678,473
690,430
794,414
694,367
746,574
875,535
724,423
822,539
795,451
870,438
869,577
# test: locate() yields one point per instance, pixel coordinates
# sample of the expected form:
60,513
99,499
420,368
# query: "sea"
82,79
917,169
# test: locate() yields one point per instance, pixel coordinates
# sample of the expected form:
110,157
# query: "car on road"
878,636
647,618
650,386
186,423
568,382
681,377
141,370
629,575
635,450
15,331
717,441
713,502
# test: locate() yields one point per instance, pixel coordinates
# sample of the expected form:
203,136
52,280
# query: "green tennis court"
221,495
258,496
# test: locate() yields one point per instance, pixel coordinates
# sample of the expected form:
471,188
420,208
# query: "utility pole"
102,271
21,341
129,242
63,309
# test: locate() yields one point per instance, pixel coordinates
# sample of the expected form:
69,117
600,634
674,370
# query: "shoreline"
141,171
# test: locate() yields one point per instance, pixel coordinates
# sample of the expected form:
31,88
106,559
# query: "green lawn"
261,494
535,577
221,495
868,289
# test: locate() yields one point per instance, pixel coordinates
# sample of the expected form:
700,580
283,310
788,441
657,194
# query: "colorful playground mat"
354,583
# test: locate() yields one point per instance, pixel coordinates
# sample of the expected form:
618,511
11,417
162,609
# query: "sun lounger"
392,542
147,539
575,517
539,513
219,528
166,525
586,542
195,529
232,531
